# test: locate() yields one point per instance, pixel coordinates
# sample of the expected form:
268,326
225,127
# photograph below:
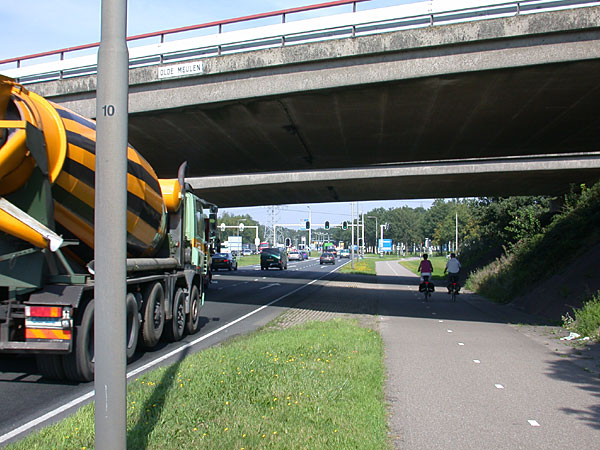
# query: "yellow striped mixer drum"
70,141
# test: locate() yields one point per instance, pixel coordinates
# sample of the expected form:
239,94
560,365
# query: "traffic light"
345,225
307,225
327,224
288,242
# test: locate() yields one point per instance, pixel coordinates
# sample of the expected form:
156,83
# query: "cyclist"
453,268
425,267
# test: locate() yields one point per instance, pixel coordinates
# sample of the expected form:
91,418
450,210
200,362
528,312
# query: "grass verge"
438,262
249,260
365,266
314,386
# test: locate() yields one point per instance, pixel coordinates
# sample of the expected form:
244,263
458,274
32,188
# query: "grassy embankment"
535,259
317,385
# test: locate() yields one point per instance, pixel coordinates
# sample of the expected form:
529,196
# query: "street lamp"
374,217
310,228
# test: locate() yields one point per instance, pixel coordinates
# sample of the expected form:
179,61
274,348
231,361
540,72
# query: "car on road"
295,256
223,261
327,258
304,254
246,252
273,257
344,253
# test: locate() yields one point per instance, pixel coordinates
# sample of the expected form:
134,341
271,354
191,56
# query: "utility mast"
273,213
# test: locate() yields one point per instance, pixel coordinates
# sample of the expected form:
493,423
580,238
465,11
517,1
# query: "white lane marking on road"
214,282
461,343
499,386
440,321
476,361
79,400
434,314
449,331
256,279
269,286
533,423
47,416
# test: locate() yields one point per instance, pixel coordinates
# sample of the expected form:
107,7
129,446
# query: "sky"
36,26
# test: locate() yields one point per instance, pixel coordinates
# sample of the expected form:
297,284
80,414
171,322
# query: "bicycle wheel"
453,294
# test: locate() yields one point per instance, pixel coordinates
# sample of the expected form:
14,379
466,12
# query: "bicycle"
453,287
427,287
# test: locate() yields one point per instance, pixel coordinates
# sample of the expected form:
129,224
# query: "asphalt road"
29,402
462,377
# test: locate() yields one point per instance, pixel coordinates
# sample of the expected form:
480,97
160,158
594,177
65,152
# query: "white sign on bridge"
180,70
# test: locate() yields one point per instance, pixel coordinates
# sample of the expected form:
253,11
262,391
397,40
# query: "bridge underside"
524,111
490,177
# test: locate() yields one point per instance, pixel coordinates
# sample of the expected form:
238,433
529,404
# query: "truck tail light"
48,323
43,311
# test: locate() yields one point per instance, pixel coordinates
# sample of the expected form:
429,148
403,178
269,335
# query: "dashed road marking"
499,386
461,343
476,361
449,331
533,423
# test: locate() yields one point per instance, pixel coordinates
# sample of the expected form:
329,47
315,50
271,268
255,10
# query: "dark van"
273,257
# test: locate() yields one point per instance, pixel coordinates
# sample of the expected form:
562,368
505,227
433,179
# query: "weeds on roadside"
587,319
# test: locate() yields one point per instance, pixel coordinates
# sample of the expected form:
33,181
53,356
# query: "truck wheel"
50,366
153,315
133,325
193,318
176,326
79,364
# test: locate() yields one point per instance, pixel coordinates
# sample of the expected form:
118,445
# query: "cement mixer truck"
47,173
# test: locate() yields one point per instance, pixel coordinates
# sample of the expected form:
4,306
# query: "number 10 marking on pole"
108,110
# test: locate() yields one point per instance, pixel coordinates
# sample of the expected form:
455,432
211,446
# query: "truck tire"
79,364
193,318
153,314
133,325
50,366
175,327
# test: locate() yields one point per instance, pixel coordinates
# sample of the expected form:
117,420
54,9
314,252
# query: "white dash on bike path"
533,423
499,386
476,361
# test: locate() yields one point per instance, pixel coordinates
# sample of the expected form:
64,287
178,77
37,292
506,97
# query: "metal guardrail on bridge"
286,33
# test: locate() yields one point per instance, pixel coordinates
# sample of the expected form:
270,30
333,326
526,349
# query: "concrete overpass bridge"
434,99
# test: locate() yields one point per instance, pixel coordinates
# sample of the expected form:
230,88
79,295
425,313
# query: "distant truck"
262,246
47,174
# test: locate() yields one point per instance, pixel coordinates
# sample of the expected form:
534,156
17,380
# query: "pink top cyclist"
425,267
